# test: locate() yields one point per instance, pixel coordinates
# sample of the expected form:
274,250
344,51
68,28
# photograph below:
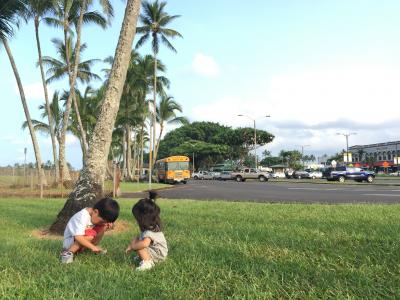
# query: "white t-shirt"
76,226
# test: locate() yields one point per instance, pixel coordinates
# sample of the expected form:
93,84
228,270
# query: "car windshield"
179,165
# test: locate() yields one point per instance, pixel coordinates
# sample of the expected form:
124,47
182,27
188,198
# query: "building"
376,155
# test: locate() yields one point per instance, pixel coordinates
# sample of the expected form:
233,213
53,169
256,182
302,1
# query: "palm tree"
56,121
166,113
9,12
154,20
133,106
88,188
74,12
58,68
36,10
87,104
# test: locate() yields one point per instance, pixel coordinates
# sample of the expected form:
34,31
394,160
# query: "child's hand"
128,250
96,249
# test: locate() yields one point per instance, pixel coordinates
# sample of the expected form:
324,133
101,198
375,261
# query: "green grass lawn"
218,250
130,187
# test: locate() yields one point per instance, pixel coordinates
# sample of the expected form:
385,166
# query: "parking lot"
284,192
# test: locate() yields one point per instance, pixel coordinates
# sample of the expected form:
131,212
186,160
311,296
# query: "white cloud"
310,107
34,91
205,65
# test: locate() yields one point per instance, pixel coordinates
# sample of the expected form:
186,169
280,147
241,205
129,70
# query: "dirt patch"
45,234
119,227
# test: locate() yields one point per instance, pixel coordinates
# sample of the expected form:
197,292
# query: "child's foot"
66,257
145,265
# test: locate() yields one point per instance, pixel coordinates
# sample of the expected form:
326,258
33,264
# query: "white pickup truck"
250,173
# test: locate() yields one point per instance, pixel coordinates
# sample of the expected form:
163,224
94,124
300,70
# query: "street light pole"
347,142
302,153
255,135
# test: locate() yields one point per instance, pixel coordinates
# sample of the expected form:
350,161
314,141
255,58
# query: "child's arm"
137,244
86,243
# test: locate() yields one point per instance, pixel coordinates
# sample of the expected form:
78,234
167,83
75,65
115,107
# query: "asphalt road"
284,192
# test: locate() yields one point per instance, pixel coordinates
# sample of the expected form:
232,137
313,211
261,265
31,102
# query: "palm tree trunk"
72,79
159,138
42,178
128,152
46,97
124,154
141,151
135,158
88,188
155,108
81,129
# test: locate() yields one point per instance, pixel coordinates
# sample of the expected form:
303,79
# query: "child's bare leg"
143,254
76,246
98,237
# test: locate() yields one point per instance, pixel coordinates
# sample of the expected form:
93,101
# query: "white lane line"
312,189
384,195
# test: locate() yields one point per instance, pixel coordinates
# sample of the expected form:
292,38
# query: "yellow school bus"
173,169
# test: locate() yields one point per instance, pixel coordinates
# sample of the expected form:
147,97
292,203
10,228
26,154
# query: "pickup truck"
250,173
342,173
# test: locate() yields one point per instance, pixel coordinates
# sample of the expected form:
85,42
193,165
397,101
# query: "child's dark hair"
108,209
147,213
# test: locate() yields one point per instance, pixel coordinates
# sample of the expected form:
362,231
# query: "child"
151,245
86,228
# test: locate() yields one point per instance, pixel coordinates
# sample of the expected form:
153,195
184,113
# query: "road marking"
312,189
384,195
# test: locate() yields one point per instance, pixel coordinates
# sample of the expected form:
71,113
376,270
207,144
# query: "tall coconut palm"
154,20
56,118
166,114
37,10
88,188
59,68
132,108
74,12
9,12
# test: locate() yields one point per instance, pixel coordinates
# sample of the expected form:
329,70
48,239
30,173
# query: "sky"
318,68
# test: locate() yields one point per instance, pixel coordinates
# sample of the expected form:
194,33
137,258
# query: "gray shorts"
156,256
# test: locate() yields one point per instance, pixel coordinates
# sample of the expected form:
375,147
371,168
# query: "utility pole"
255,135
302,153
347,142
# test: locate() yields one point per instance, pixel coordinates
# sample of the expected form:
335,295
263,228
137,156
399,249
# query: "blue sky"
317,67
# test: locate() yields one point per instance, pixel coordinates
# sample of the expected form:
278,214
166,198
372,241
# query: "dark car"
300,174
342,173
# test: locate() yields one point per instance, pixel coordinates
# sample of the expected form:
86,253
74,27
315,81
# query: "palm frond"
142,40
167,43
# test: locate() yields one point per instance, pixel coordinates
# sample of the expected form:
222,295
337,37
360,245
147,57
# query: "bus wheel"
184,182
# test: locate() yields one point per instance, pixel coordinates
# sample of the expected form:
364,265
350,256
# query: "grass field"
8,190
218,250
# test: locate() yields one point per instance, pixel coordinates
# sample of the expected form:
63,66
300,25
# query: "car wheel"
341,179
262,178
299,177
196,177
313,177
239,178
370,179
